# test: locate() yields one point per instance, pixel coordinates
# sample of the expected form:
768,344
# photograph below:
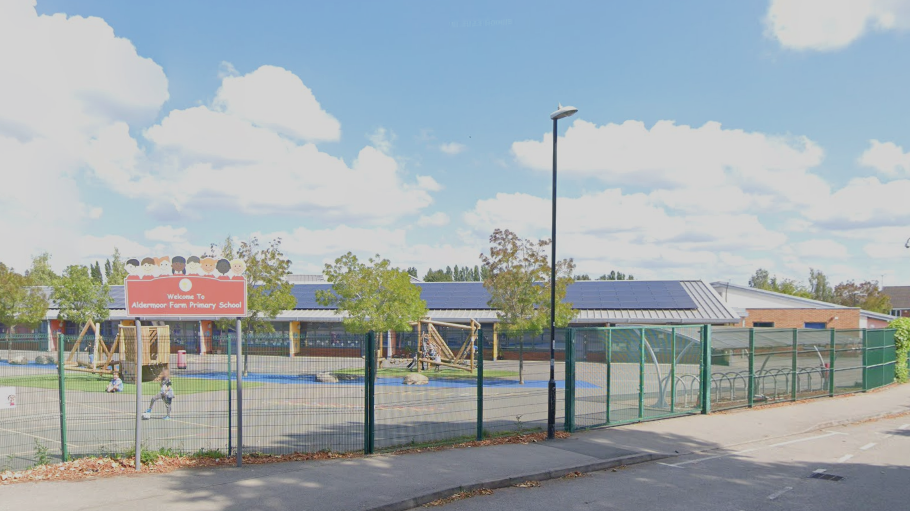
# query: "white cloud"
766,170
438,219
822,249
382,140
824,25
276,99
864,203
453,148
204,157
167,234
68,79
886,157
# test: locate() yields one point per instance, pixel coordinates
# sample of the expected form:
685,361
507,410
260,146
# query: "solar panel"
595,294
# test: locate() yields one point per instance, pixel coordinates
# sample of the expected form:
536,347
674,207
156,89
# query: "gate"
631,374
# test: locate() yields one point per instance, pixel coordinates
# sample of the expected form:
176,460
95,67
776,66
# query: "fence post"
61,387
706,369
369,394
230,398
831,362
239,393
570,380
865,362
673,362
609,359
794,381
479,385
751,367
139,402
641,374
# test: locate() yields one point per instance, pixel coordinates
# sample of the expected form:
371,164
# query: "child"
166,395
116,384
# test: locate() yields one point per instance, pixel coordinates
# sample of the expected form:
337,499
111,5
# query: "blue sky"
712,138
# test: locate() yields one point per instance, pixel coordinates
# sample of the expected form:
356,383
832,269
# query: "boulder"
326,378
43,360
20,360
415,379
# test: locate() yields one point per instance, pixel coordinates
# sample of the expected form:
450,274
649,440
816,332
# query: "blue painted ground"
307,379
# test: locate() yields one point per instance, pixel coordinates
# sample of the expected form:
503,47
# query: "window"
763,324
818,326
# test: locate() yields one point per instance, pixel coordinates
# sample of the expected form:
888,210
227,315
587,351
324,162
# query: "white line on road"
844,458
779,493
820,471
867,446
699,460
904,426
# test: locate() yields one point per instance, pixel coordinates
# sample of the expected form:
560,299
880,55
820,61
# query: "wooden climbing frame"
427,334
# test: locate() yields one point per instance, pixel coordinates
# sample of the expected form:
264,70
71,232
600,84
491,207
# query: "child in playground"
166,395
116,384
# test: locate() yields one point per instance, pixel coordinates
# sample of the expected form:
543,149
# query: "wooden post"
495,341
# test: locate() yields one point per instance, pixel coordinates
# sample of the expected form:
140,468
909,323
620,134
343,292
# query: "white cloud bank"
824,25
887,158
453,148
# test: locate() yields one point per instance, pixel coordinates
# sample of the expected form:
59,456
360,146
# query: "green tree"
614,275
449,274
518,283
437,276
902,347
819,287
865,295
763,280
267,291
21,303
41,273
583,276
96,273
412,271
760,280
373,296
80,297
107,270
118,269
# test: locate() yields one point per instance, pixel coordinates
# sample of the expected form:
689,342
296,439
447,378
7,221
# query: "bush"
902,347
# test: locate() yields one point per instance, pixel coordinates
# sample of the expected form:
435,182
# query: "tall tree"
456,274
819,286
80,297
118,269
267,291
583,276
518,283
95,271
41,273
615,275
21,303
865,295
412,271
107,270
763,280
760,280
372,296
437,276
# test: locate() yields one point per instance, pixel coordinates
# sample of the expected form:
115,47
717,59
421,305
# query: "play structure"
120,355
428,335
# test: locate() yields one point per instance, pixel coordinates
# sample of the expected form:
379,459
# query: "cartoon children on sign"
238,266
208,266
178,265
193,266
154,267
223,266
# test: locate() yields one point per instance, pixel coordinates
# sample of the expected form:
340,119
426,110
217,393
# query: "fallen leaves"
528,484
459,496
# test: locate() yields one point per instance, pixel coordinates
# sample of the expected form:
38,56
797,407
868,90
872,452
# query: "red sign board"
201,296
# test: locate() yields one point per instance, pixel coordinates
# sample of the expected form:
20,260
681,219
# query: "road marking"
867,446
904,426
844,458
820,471
668,465
780,444
779,493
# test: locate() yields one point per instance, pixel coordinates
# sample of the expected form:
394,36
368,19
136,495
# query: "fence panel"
880,358
30,407
731,357
848,361
812,361
592,373
308,402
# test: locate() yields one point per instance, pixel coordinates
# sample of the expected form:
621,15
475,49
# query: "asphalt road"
870,457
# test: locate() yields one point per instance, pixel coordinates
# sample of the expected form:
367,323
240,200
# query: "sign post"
138,394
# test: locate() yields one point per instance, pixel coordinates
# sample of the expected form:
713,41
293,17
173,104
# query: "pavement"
400,482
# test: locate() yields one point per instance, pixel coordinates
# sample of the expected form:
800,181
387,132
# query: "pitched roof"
900,296
800,302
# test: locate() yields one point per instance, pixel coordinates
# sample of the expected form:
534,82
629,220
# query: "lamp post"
563,111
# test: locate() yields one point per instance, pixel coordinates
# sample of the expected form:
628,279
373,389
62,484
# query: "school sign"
185,287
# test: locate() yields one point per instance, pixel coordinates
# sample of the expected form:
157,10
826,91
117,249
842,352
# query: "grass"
445,373
88,382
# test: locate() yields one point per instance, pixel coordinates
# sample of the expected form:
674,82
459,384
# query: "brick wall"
797,318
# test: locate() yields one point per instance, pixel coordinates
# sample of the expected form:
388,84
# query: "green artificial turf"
88,382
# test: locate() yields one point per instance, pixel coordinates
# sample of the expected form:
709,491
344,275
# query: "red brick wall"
797,318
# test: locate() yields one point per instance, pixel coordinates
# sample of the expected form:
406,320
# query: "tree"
865,295
614,275
583,276
412,271
118,269
518,283
819,287
373,296
21,303
760,280
107,270
437,276
901,347
267,291
80,297
41,273
763,280
95,270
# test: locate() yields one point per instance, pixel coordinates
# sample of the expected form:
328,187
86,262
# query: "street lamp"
563,111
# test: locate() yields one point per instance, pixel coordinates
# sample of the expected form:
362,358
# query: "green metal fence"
347,392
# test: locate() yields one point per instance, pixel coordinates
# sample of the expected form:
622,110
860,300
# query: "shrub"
902,347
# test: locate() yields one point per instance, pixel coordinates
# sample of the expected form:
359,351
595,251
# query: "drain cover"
825,477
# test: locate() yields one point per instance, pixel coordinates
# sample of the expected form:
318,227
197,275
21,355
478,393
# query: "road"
872,458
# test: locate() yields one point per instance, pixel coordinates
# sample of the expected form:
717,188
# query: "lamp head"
563,111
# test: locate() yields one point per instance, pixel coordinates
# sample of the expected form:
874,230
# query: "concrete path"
398,482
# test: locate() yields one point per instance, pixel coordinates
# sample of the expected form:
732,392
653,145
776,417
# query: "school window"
763,324
817,326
